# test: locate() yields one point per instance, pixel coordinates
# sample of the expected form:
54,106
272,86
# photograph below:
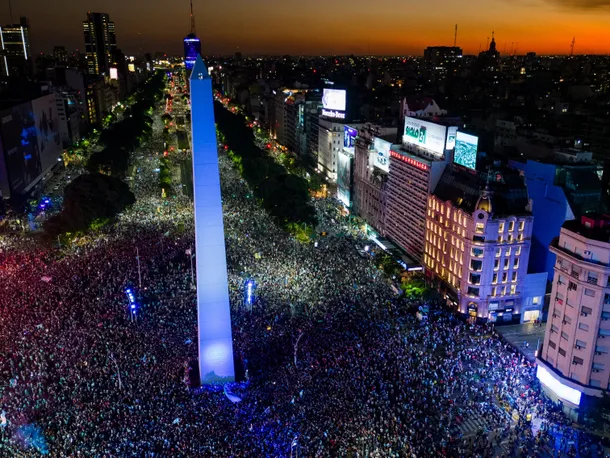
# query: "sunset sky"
396,27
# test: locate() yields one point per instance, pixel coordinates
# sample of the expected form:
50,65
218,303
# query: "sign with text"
427,135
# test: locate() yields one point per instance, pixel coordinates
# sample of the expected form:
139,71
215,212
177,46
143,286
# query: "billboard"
466,150
131,67
382,154
344,178
349,138
451,132
427,135
114,73
333,99
44,110
20,146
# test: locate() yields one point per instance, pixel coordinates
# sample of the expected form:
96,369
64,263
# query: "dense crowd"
333,363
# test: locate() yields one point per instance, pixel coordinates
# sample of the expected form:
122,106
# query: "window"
589,292
500,239
520,237
518,251
504,277
605,316
510,238
513,289
521,225
562,352
598,366
581,344
601,349
475,279
561,280
552,344
584,327
511,226
508,251
498,252
606,298
564,335
514,279
604,332
493,291
554,328
476,265
516,263
567,320
585,310
496,264
480,228
494,279
577,360
501,226
473,291
506,261
477,252
572,286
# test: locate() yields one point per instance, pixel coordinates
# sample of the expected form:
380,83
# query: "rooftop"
594,226
463,189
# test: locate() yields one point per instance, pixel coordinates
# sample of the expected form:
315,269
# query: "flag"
230,396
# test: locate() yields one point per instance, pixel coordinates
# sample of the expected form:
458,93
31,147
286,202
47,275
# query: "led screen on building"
451,132
344,179
114,73
46,121
349,138
192,48
466,150
382,154
427,135
334,99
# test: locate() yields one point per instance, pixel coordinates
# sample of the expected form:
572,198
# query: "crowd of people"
332,364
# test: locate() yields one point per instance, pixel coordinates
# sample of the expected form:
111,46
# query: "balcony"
592,280
575,274
555,246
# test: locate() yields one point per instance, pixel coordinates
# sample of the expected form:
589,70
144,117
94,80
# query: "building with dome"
477,245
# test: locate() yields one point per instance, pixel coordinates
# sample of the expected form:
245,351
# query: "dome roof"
484,202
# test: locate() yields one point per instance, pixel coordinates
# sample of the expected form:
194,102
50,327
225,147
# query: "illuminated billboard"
333,99
451,132
131,68
427,135
552,383
466,150
382,154
344,178
192,48
349,138
114,74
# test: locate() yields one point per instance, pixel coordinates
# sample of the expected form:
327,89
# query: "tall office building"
100,43
16,50
575,357
192,45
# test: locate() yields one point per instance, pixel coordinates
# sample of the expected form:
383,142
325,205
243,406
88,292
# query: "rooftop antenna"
455,36
10,8
572,46
487,45
192,19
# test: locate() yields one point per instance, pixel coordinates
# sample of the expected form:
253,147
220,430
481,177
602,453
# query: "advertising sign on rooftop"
427,135
382,154
349,139
466,150
334,99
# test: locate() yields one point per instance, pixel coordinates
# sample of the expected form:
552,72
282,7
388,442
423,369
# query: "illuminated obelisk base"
213,309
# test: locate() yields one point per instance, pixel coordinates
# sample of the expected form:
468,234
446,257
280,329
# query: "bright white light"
25,51
367,248
563,391
215,354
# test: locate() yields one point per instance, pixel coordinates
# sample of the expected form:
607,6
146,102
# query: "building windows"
504,277
494,291
572,286
497,264
554,328
506,261
516,263
473,291
580,344
518,251
585,311
494,279
592,278
500,239
513,289
599,349
501,226
598,367
552,344
589,292
567,320
475,279
477,252
508,251
565,336
480,228
510,238
514,277
498,252
521,225
520,237
476,265
511,226
561,280
603,333
577,360
562,352
583,327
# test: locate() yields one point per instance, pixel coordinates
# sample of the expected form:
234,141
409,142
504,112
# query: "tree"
90,198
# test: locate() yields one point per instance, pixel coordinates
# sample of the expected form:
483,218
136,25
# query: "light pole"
139,271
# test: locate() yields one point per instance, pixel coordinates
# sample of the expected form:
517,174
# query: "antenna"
10,8
572,46
192,19
455,36
487,45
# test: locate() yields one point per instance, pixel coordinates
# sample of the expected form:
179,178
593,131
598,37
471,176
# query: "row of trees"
95,198
284,195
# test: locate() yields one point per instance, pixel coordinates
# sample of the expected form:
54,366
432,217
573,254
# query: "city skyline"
353,27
